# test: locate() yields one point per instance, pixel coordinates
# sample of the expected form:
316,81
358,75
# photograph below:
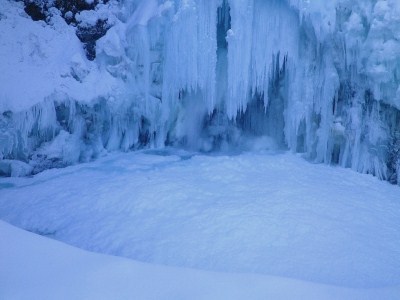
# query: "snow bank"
35,267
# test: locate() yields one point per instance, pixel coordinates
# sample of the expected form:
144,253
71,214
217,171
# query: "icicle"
275,32
239,56
181,52
207,55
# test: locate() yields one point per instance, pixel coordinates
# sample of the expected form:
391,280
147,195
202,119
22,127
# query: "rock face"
89,35
36,9
39,10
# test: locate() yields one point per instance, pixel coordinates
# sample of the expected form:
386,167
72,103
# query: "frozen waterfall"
315,77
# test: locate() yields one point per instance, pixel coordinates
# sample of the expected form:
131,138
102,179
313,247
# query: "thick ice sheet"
271,214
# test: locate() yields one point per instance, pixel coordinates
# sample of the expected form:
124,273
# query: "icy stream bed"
272,214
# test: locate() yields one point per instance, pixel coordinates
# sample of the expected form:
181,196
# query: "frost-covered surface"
70,273
318,77
253,213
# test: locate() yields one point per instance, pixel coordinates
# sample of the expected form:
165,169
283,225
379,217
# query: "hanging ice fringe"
318,77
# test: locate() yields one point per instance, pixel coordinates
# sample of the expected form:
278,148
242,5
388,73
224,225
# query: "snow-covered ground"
265,216
33,267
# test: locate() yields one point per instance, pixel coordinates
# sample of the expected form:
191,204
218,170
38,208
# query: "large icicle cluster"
316,77
325,71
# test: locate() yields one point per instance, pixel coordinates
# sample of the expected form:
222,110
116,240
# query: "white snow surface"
70,273
274,215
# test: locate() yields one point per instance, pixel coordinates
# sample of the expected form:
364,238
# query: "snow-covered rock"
14,168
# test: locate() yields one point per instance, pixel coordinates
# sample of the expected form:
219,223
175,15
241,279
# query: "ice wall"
326,73
316,77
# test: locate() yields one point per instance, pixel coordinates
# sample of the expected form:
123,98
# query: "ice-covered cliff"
316,77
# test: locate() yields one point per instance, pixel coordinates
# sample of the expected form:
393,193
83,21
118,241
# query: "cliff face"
320,78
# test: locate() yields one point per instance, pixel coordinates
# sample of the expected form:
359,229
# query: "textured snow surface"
70,273
252,213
